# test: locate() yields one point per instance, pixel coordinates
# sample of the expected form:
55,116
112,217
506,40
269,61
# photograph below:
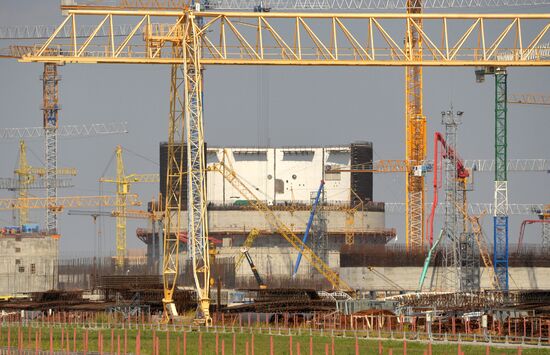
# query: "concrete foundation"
407,277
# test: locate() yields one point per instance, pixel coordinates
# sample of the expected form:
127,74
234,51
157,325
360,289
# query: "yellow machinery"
349,227
65,202
26,176
254,233
188,39
415,130
259,280
123,183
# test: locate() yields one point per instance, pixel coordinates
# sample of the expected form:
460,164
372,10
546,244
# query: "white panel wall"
298,170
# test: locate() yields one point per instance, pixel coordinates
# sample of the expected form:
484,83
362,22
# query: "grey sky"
307,106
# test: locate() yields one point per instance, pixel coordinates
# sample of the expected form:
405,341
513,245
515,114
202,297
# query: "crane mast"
186,130
123,183
415,131
50,108
25,178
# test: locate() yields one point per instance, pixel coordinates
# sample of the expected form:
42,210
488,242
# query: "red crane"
462,174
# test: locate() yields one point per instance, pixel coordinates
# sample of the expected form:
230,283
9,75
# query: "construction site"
255,190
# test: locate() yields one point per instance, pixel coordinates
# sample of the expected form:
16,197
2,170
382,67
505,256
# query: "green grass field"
173,343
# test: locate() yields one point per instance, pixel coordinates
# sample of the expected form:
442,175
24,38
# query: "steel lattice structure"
50,107
474,208
319,4
66,131
500,242
64,202
123,183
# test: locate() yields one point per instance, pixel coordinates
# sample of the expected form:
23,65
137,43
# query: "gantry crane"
189,39
123,183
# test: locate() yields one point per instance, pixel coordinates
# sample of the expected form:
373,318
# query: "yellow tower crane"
123,183
415,131
26,176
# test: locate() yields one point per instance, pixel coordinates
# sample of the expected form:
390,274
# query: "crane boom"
478,165
233,39
15,184
231,176
64,202
85,130
529,99
308,227
474,208
308,5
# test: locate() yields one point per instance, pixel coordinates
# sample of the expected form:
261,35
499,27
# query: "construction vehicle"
252,235
261,283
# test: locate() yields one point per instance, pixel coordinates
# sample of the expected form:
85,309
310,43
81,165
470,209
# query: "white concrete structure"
281,174
28,263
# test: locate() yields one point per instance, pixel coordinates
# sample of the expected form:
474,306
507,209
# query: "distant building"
28,263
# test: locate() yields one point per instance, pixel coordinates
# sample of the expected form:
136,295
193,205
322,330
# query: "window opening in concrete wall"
279,186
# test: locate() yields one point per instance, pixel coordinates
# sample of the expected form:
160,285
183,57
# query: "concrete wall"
242,221
408,277
28,264
281,174
278,262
